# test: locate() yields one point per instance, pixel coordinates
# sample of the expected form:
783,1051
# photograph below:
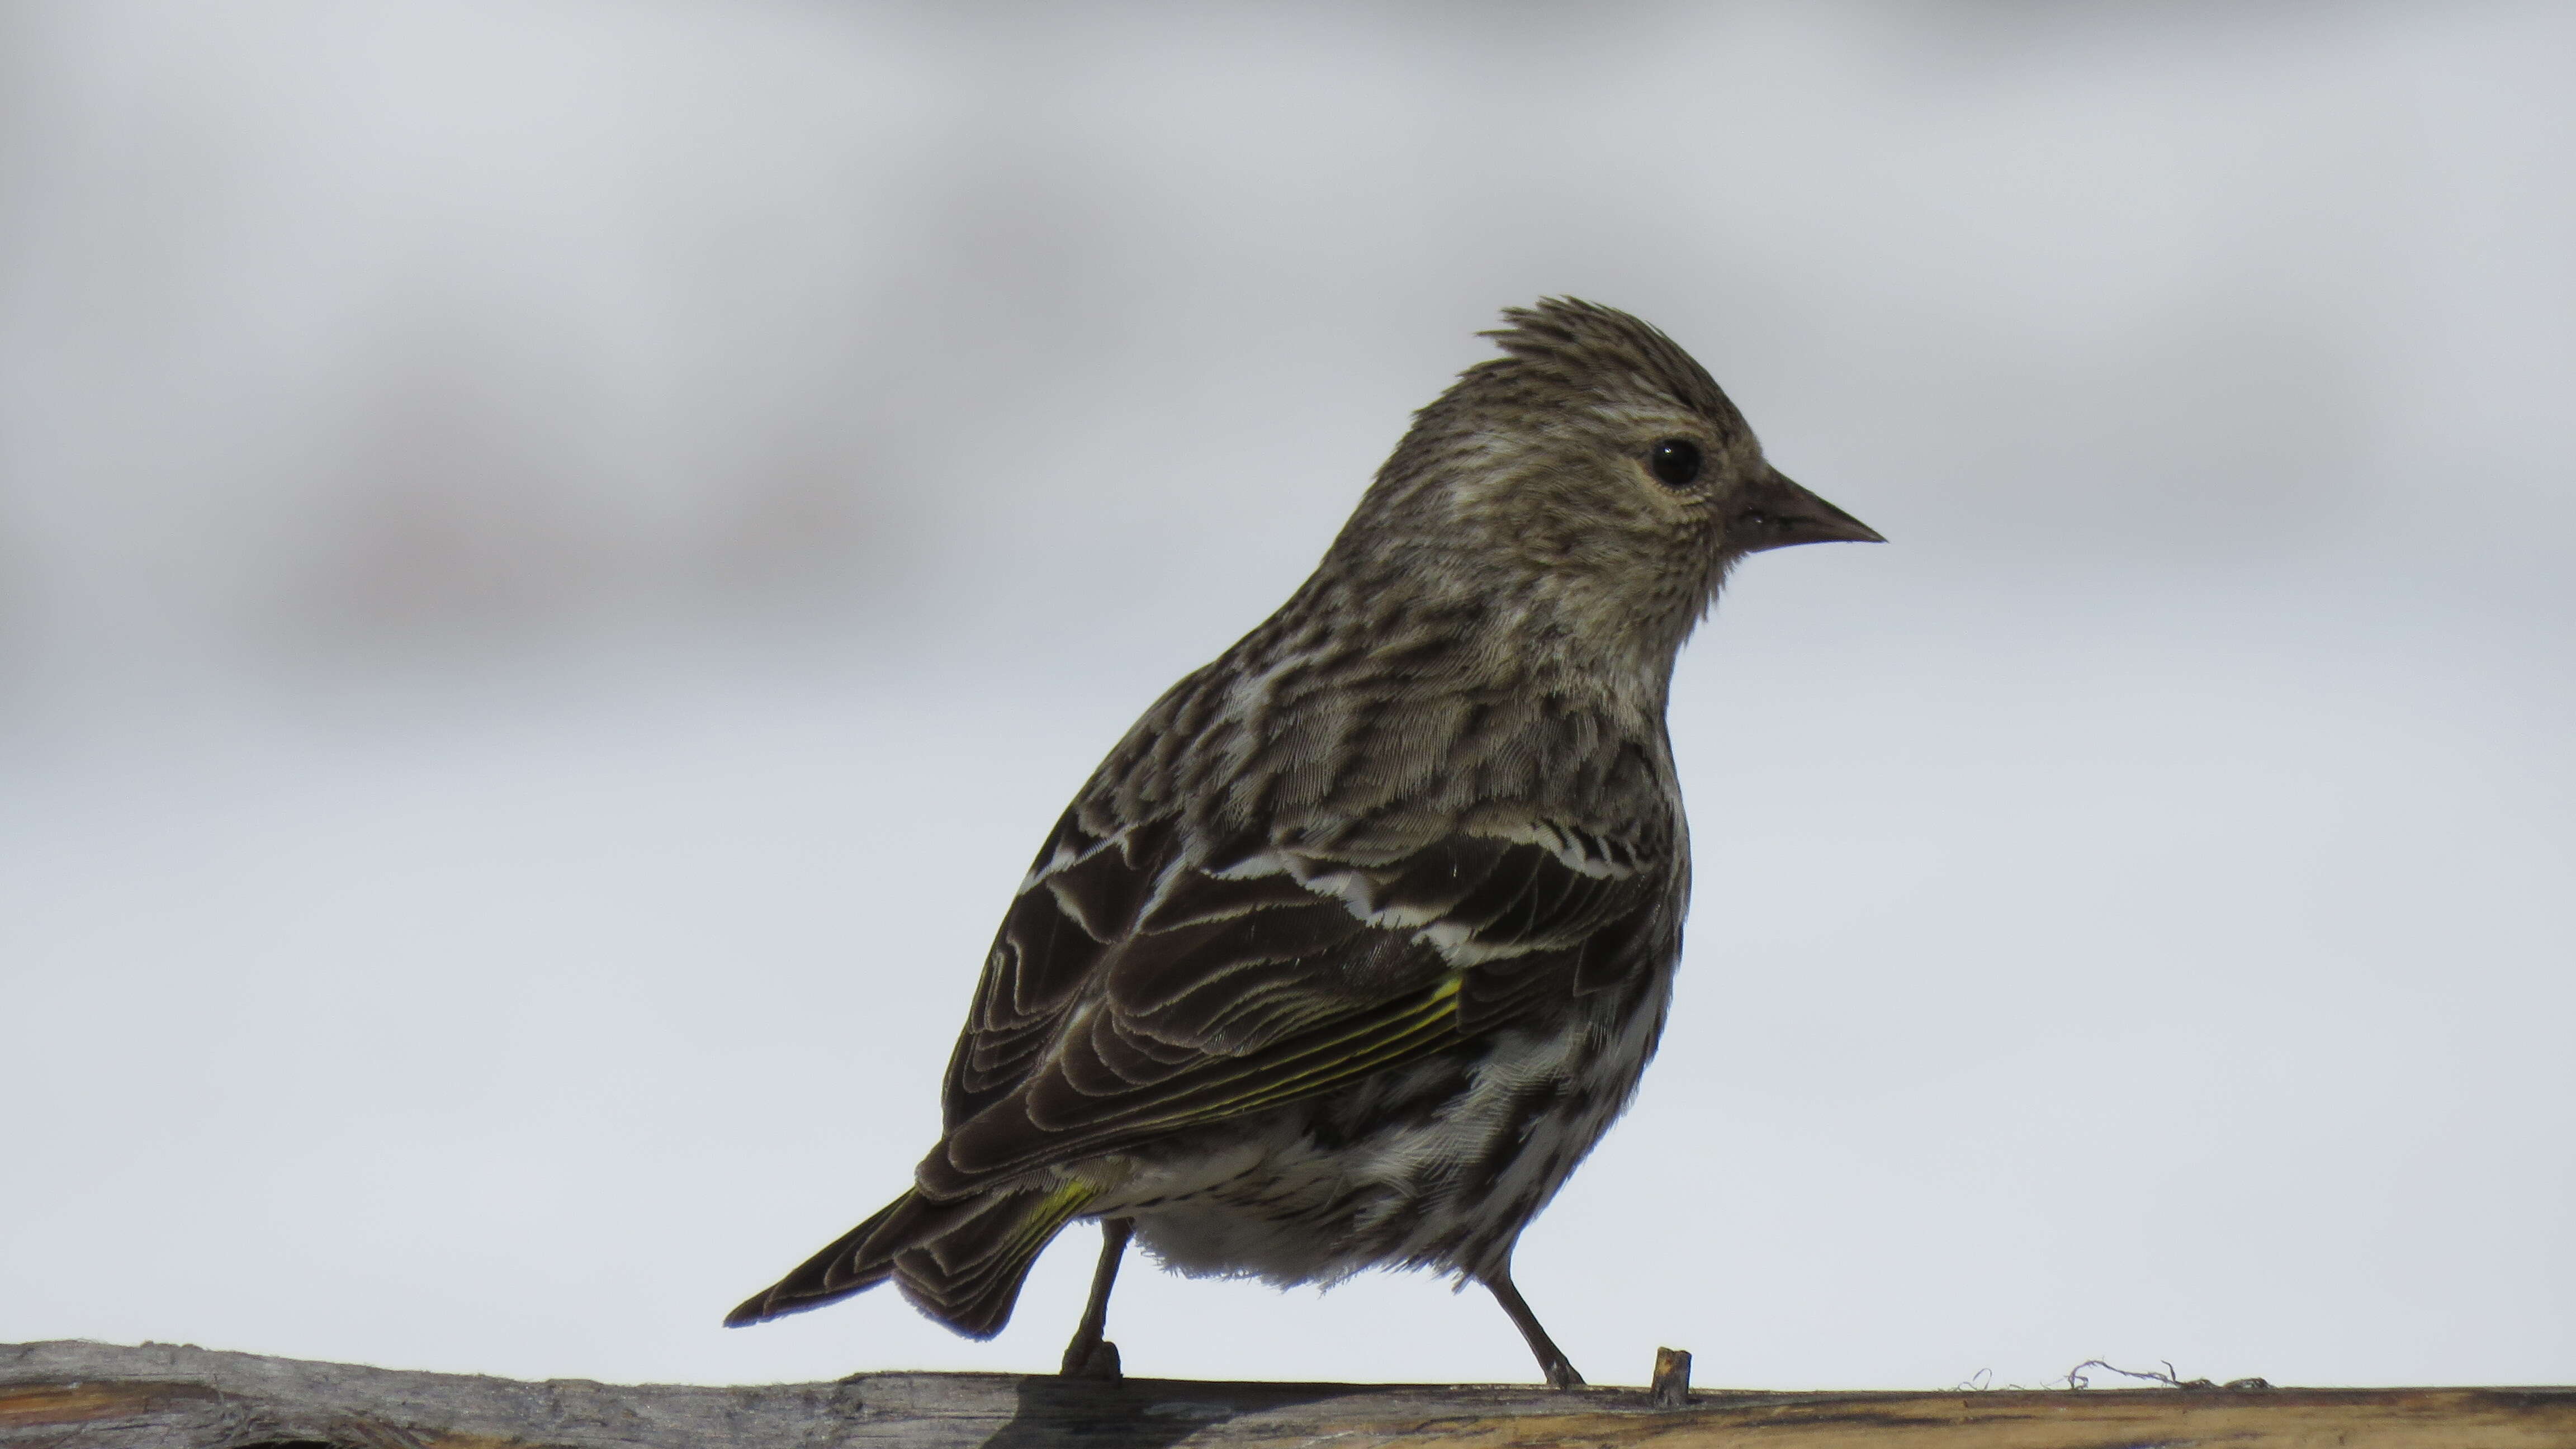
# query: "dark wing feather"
1044,955
1131,994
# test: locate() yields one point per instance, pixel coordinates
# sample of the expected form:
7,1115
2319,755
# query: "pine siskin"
1359,940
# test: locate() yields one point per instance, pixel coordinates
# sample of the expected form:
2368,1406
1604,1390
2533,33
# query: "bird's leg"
1091,1356
1551,1359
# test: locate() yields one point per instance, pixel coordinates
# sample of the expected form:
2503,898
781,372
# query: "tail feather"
970,1276
961,1261
827,1277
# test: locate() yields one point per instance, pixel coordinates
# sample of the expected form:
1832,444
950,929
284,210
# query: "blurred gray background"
556,560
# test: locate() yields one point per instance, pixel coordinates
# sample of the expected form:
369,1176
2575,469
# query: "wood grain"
103,1396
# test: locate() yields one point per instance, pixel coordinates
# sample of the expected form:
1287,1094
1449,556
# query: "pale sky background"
556,560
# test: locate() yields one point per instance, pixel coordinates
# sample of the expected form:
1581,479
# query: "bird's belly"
1436,1165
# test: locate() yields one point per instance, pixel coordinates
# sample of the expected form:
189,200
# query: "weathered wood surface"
101,1396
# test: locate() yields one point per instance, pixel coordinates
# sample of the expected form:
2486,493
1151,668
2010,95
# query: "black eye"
1675,461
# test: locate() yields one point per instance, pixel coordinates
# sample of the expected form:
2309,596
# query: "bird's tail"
960,1261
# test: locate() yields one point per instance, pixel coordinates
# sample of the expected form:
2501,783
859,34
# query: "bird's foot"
1561,1375
1097,1359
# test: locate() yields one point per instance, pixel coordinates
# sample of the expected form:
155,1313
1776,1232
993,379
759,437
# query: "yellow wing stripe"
1327,1064
1048,1218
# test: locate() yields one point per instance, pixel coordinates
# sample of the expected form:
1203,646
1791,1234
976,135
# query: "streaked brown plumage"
1360,939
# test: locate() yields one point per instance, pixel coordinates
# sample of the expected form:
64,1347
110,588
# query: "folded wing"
1136,989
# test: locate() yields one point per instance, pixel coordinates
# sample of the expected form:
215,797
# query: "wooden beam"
163,1396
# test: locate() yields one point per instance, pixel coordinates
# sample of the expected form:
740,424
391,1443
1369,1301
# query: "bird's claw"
1096,1360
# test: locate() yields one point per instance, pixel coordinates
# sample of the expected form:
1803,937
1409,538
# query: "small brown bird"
1359,940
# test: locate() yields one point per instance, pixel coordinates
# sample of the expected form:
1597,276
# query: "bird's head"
1591,487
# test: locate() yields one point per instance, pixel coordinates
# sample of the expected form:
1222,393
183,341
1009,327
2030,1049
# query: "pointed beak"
1776,513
